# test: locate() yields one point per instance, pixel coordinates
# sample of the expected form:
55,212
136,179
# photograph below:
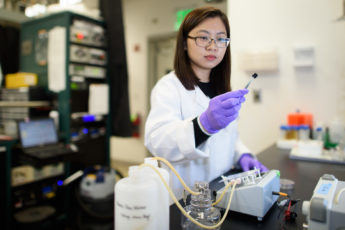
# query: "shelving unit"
85,65
85,68
24,103
13,17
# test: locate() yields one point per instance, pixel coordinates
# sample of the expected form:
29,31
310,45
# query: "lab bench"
305,175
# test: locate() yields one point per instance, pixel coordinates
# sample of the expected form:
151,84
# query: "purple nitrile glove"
247,162
222,110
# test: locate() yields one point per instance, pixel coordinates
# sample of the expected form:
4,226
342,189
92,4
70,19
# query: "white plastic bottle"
139,202
337,130
164,194
318,133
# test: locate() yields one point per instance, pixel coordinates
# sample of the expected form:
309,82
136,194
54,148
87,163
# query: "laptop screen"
37,132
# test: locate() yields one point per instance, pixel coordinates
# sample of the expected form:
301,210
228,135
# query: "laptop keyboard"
48,151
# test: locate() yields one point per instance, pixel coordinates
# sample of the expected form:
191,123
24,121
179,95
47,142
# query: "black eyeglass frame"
227,42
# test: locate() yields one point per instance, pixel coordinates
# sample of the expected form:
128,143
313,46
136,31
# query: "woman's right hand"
222,110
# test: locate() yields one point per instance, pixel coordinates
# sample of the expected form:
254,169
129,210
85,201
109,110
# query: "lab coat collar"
201,98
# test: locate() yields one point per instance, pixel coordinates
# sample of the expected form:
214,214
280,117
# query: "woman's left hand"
248,162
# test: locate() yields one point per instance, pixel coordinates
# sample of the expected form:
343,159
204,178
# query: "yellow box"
22,79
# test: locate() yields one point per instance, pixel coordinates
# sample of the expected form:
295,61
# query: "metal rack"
93,149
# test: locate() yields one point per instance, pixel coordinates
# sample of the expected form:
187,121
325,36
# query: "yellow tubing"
176,173
184,184
179,205
223,193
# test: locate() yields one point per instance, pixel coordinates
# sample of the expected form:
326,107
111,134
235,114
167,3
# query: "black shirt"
199,135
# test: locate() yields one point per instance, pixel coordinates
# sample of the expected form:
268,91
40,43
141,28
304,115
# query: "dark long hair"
220,75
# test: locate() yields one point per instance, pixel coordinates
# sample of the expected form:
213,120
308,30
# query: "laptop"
39,139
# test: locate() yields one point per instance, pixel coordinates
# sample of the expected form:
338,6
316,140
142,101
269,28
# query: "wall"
255,26
282,25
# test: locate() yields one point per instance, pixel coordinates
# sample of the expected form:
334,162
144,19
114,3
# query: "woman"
192,121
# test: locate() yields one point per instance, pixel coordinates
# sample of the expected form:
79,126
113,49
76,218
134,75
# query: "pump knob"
305,208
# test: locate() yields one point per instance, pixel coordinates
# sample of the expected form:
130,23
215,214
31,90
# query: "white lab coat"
169,134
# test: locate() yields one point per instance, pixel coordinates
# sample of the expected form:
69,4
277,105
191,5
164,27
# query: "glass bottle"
292,132
201,209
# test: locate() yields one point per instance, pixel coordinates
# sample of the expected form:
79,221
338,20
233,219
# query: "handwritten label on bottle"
133,212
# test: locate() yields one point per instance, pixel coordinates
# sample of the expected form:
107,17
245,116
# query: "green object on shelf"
327,143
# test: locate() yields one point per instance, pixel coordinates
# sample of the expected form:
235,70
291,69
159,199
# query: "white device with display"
326,208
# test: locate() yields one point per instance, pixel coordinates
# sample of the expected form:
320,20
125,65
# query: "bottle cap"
132,170
149,160
284,127
304,127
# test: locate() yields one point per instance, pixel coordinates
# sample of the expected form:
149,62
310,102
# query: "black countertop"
305,174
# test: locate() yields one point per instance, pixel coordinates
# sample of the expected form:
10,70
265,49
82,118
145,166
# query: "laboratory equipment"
303,133
16,101
253,196
20,79
326,208
140,201
288,207
299,118
255,75
328,143
337,130
95,192
313,151
286,184
318,133
297,129
288,137
283,132
164,196
200,209
82,35
291,132
98,183
294,132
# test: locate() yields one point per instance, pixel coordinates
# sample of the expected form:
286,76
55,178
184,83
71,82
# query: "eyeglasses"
204,41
